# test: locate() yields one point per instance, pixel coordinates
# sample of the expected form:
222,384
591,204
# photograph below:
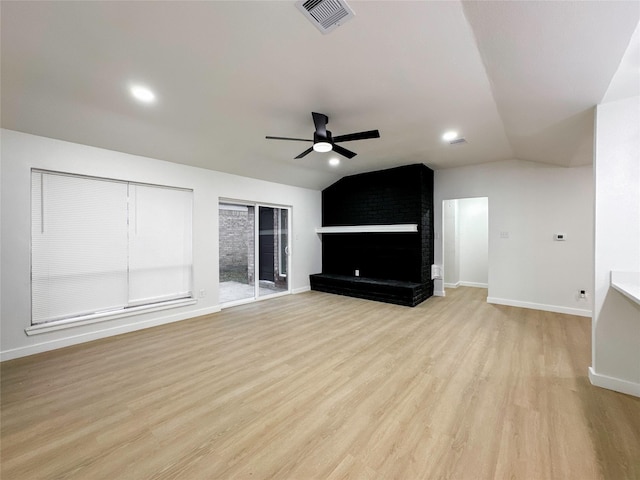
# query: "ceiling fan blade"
357,136
306,152
320,120
288,138
343,151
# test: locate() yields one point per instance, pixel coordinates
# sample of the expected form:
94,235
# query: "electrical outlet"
202,293
357,273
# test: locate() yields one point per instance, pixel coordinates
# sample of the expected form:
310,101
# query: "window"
102,246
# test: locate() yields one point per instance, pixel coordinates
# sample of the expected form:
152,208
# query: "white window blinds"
159,244
100,245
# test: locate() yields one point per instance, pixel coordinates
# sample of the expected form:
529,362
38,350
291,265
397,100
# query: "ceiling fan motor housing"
319,138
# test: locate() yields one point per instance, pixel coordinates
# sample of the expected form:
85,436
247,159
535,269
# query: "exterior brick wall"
237,257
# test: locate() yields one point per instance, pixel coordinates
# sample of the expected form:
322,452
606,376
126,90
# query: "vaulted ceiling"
515,79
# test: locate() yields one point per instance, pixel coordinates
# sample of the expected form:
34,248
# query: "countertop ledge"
627,283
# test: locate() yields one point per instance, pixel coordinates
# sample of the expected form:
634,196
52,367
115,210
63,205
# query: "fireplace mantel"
396,228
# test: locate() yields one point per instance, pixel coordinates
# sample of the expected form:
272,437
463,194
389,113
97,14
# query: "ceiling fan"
323,141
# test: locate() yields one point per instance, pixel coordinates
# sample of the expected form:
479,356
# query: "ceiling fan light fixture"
323,140
322,147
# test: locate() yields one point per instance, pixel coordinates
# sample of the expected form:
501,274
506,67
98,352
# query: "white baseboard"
540,306
612,383
473,284
301,289
439,293
102,333
462,283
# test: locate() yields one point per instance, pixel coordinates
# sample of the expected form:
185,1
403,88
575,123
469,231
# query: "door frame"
443,240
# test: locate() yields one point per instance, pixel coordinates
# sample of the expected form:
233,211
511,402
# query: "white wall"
474,241
451,243
616,319
20,152
529,202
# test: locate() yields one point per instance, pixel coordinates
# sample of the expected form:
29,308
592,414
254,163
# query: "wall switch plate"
357,273
504,234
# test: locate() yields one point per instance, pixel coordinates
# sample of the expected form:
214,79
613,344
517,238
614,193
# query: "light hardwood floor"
318,386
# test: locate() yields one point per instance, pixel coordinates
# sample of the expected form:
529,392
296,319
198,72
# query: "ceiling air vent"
326,14
458,141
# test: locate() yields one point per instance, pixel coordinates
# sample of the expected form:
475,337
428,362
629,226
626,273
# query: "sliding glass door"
273,249
237,252
254,251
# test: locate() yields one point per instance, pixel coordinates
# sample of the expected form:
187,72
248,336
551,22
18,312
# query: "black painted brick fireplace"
394,267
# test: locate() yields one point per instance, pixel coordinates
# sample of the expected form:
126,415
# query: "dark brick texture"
395,196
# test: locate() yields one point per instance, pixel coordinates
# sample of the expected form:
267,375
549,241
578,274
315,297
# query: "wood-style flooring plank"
319,386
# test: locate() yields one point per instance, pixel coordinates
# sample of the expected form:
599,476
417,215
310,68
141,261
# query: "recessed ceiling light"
142,94
334,162
450,135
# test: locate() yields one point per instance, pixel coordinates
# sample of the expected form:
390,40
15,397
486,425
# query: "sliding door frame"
256,287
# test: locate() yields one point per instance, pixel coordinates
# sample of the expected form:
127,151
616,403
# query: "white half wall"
616,318
21,152
529,203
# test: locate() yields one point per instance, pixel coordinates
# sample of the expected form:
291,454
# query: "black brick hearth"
399,292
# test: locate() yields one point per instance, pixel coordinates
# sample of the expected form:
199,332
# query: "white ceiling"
516,79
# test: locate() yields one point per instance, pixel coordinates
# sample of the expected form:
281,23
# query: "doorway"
254,252
466,242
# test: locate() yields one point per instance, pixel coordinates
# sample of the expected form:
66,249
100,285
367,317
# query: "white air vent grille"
326,14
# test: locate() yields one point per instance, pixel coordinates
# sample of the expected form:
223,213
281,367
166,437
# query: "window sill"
104,316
